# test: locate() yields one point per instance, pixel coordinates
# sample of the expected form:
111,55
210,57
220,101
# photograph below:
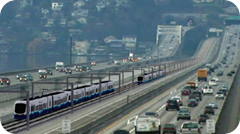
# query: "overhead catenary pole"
70,51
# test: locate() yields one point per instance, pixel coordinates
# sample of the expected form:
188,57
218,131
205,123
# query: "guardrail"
224,103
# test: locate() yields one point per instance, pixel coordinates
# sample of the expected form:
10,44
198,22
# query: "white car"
216,79
212,82
206,89
190,128
219,95
179,100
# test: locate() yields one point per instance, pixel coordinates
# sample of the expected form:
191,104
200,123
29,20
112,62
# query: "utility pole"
70,50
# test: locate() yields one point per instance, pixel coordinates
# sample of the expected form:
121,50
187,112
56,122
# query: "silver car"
190,128
213,104
179,100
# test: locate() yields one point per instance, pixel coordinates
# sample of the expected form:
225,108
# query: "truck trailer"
202,75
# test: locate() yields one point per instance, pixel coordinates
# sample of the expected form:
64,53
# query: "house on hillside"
57,5
81,47
130,42
110,39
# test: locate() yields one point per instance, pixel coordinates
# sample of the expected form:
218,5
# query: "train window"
69,97
49,103
32,108
36,108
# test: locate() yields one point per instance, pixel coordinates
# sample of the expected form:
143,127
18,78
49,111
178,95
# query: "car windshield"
203,115
208,107
190,125
213,103
175,98
219,93
168,126
192,100
183,110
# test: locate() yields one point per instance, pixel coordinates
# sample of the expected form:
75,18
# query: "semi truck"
202,75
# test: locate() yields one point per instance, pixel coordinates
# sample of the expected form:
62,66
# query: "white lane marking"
132,119
131,130
160,108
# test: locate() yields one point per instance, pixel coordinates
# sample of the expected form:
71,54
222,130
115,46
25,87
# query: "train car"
143,78
60,100
110,85
104,88
77,95
148,76
37,106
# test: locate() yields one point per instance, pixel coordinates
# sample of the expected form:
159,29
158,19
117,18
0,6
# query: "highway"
94,111
158,104
7,110
56,74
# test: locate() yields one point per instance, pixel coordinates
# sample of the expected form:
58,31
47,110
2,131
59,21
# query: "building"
129,39
81,47
116,47
78,4
110,39
57,5
130,42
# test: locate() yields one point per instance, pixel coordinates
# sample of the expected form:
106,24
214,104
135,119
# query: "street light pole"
70,50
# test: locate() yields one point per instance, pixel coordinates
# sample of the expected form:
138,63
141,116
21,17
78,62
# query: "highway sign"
210,127
66,126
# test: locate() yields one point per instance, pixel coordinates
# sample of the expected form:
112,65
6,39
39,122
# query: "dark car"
192,103
49,71
220,73
198,94
233,72
5,80
19,76
209,109
172,104
229,74
68,71
192,96
212,69
203,118
42,75
27,78
151,114
169,129
185,92
121,132
85,68
61,69
209,72
216,66
78,69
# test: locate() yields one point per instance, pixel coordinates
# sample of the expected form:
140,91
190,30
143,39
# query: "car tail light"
195,103
180,101
166,104
189,102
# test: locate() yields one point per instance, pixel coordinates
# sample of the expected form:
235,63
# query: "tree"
36,46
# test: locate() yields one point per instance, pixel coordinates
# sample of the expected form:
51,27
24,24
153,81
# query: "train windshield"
140,78
20,108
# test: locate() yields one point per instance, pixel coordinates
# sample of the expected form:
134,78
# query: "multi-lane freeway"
157,104
95,111
170,117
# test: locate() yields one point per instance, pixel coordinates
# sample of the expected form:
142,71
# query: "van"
59,65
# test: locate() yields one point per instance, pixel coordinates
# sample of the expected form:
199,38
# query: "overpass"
182,18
